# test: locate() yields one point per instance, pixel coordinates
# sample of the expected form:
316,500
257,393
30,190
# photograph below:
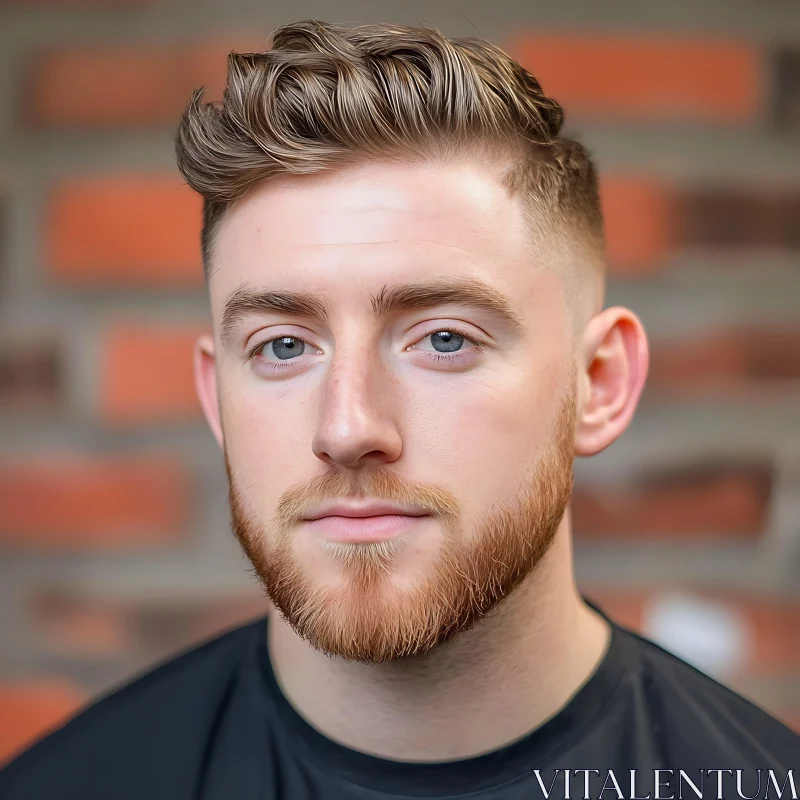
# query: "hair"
326,97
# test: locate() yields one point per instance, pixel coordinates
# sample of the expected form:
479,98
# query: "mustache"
376,484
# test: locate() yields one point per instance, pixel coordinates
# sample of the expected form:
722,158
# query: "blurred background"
115,547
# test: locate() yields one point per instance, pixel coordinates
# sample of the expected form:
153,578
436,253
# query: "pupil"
287,347
446,341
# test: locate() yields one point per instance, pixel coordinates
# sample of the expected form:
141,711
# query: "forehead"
371,225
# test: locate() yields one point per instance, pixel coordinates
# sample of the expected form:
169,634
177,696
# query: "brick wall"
114,542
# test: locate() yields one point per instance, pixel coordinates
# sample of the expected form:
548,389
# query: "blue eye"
446,341
285,347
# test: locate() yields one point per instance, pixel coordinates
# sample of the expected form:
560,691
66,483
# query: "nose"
356,425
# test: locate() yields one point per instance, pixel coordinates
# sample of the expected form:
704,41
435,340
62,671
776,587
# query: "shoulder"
699,714
162,719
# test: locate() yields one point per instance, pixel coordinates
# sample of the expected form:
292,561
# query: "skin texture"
468,632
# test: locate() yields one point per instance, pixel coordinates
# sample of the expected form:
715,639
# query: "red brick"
147,374
698,503
87,626
29,709
733,218
786,91
70,627
775,635
644,77
124,230
30,375
725,360
165,625
770,623
120,85
638,222
69,502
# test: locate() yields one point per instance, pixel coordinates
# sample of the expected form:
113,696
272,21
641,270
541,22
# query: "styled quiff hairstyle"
325,97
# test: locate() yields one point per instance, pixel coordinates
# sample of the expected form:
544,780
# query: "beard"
369,618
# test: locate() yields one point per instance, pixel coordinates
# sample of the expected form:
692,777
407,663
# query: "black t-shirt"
214,725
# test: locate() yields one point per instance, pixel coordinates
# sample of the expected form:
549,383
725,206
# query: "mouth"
366,524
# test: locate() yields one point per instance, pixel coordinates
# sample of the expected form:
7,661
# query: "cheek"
484,437
268,440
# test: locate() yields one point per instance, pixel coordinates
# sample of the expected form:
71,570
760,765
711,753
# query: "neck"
484,689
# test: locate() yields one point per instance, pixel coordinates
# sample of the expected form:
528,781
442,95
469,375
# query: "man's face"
429,367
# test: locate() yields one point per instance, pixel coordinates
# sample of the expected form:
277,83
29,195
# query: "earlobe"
615,363
205,380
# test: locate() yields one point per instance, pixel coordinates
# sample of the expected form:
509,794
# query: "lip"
373,528
361,510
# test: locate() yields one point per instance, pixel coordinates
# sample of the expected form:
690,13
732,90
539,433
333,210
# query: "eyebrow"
246,300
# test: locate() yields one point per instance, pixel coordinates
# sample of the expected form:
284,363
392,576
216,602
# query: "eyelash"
456,358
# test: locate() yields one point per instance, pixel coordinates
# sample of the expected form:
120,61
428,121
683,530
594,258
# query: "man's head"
405,265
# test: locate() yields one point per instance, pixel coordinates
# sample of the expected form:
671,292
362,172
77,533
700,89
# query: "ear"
614,362
205,381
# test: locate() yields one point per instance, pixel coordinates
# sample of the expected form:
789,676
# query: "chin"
371,627
371,603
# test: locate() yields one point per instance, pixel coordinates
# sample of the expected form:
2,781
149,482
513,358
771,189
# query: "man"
405,265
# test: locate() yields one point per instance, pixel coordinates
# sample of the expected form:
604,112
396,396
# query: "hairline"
508,158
